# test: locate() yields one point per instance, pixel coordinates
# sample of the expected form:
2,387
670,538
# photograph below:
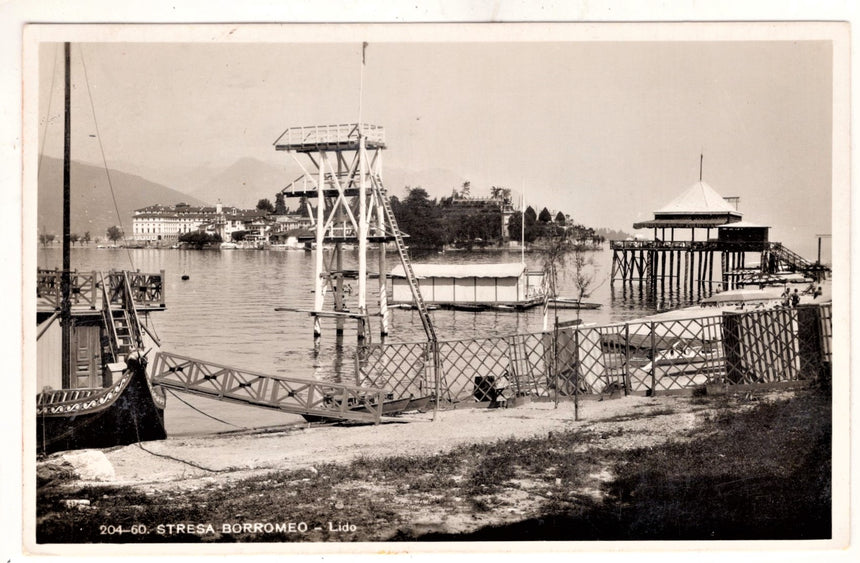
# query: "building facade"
164,224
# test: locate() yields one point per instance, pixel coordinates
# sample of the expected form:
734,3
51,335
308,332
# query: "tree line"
434,224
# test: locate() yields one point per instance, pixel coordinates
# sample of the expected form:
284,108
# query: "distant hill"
92,205
612,234
244,183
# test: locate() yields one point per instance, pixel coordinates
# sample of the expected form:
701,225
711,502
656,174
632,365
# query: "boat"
570,303
685,359
92,350
389,407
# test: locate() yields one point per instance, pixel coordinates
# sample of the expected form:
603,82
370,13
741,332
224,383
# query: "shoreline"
459,478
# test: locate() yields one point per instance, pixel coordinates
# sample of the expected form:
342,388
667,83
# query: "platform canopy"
512,270
699,206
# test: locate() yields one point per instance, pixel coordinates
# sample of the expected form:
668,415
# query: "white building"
166,223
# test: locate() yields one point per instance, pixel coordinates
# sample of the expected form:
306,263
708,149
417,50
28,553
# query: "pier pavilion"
676,257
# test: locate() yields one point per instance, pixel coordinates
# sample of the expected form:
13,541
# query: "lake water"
225,313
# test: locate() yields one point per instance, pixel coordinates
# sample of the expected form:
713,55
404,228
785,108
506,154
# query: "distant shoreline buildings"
164,224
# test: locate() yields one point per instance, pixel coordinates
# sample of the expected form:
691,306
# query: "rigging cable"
48,114
44,240
204,413
104,160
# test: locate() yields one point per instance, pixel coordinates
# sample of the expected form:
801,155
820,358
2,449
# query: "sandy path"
645,421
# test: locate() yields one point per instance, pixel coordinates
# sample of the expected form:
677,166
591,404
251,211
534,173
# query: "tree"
545,216
531,216
199,239
46,239
466,192
280,205
584,272
560,218
419,217
114,233
265,205
515,230
73,238
86,238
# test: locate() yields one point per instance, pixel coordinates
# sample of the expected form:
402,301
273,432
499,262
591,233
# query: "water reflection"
225,311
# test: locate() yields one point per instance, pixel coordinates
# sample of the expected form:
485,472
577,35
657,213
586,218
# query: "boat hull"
126,412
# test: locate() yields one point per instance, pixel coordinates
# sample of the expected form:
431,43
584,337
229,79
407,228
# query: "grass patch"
763,473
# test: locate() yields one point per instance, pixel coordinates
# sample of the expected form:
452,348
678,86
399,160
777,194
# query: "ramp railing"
288,394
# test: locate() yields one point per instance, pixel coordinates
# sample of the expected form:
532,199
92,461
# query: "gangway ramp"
334,401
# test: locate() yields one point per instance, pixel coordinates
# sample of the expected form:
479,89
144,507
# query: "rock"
89,465
76,503
49,472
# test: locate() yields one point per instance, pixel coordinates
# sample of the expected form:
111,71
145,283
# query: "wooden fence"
753,347
146,289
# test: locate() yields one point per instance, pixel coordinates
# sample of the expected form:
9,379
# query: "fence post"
627,386
93,291
653,361
163,289
575,373
434,347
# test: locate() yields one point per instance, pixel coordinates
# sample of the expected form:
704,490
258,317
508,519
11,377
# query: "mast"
65,281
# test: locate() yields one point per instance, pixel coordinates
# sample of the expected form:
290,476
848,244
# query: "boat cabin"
470,285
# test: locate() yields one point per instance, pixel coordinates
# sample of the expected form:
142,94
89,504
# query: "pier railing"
696,245
334,401
82,288
736,348
146,289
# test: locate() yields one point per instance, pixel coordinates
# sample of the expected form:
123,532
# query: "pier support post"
363,213
318,252
338,288
384,313
662,269
711,268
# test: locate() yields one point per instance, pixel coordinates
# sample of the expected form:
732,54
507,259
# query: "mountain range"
242,184
92,203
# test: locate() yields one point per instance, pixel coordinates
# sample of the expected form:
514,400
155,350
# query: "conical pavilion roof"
698,199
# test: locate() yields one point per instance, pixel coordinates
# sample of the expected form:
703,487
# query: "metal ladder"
423,312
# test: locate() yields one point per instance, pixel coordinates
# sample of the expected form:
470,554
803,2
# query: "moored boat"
92,348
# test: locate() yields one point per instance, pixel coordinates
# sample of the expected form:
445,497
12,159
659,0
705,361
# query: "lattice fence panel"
636,343
814,334
737,347
761,346
403,369
527,364
687,353
475,368
579,356
825,315
615,355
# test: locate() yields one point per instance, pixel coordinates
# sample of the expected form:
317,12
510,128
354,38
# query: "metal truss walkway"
306,397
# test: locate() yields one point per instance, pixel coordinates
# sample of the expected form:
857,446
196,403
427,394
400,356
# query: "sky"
607,131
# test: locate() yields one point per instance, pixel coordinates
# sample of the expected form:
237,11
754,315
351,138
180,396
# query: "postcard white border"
478,32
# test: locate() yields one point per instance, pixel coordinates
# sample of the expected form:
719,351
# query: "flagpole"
523,224
361,85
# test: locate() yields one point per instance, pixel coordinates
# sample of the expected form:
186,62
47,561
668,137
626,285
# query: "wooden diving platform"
341,137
